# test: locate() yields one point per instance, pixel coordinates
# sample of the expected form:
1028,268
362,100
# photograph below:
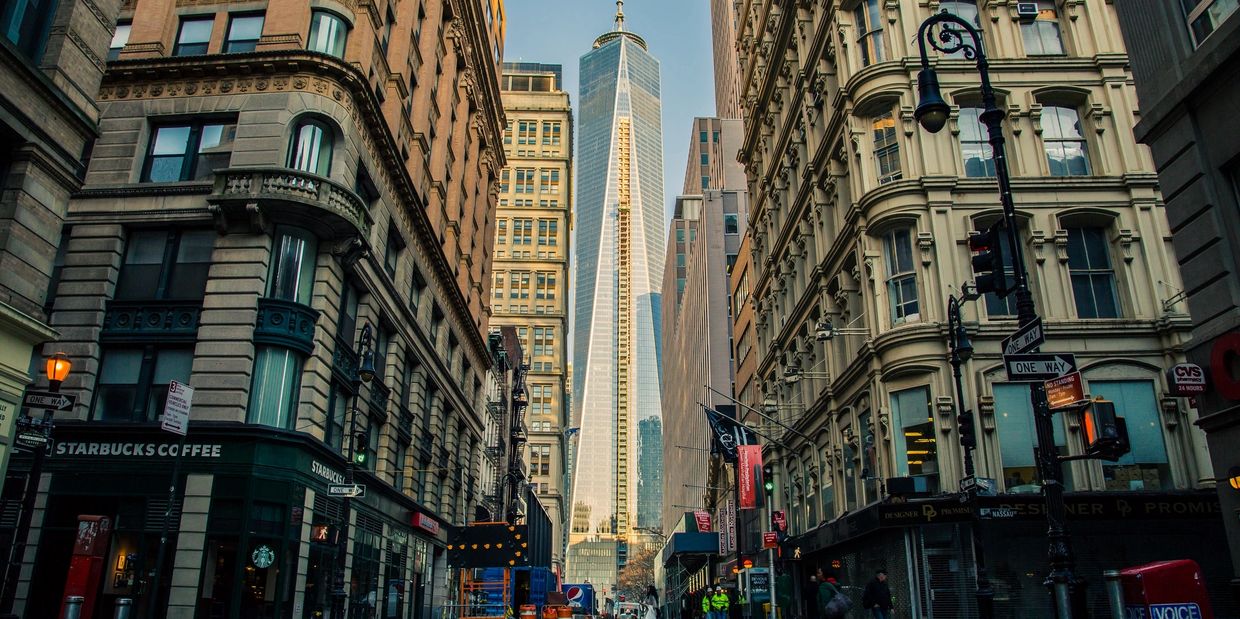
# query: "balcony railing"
287,324
250,195
152,320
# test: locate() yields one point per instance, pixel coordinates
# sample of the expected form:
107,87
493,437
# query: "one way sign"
1040,367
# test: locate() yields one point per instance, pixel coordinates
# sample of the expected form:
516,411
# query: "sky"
678,33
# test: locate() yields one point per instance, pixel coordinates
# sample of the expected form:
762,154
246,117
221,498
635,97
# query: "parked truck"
581,599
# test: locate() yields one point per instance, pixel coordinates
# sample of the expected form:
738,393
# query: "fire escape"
496,450
516,474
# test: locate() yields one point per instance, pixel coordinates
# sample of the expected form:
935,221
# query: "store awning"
692,543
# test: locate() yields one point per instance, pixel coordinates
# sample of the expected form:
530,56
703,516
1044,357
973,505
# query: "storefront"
925,547
252,532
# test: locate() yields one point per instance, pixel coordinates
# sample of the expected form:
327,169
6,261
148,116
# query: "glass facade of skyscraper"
619,270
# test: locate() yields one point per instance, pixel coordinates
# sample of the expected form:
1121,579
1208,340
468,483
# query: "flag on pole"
729,434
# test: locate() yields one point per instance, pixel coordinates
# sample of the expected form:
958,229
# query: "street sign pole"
176,420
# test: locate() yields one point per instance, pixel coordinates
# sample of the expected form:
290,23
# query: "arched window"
311,148
328,33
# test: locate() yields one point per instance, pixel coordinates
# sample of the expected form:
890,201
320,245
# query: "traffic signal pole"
950,34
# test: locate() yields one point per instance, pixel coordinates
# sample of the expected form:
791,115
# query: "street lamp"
950,34
57,368
824,331
365,373
793,375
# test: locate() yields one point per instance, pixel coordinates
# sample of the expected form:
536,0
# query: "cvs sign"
1186,379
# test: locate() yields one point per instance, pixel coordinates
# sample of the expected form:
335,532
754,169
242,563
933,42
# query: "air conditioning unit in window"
1027,11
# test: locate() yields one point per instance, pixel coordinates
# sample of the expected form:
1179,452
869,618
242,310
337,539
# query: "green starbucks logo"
263,557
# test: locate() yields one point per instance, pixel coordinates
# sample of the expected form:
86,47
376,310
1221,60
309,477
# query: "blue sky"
678,32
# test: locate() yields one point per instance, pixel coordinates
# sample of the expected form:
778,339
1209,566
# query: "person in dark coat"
877,596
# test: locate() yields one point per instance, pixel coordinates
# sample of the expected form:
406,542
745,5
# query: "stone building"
272,183
531,265
1187,69
51,62
858,224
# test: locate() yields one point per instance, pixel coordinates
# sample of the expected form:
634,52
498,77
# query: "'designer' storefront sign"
138,450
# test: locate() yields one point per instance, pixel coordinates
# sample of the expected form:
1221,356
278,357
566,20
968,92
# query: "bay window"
275,387
901,275
311,147
869,25
292,265
886,148
328,33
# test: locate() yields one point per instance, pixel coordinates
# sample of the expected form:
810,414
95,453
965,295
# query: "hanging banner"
727,528
729,434
748,457
702,517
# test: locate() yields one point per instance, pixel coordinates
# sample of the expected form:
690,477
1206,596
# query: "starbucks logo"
263,557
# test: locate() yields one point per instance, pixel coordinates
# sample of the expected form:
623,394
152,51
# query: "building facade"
618,269
724,53
858,224
51,62
279,195
531,269
713,145
1185,63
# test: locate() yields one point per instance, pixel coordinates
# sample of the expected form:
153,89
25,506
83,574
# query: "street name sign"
347,490
1065,391
1038,367
968,483
48,400
30,440
176,412
1026,339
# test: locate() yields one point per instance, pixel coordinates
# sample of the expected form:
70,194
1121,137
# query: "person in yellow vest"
719,603
706,614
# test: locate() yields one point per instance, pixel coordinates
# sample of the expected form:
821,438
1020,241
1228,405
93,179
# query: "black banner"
728,432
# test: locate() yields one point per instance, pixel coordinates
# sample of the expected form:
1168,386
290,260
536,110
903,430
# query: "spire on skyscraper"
619,15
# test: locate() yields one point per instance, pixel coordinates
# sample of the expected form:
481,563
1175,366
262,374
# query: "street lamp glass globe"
932,111
58,366
366,370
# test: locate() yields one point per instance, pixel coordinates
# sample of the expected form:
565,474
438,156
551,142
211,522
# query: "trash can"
1166,590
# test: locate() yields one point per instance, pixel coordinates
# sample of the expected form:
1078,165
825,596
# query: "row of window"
529,203
328,34
196,149
527,132
1063,142
519,285
548,180
1090,269
523,232
915,450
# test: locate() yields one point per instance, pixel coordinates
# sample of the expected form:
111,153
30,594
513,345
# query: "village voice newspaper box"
1165,590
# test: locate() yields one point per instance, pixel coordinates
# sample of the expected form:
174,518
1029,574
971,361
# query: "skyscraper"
619,266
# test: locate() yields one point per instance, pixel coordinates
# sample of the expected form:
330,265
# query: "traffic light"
768,479
359,449
1106,435
968,432
990,267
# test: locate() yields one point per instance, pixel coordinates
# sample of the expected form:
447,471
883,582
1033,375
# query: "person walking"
877,596
706,613
832,603
719,604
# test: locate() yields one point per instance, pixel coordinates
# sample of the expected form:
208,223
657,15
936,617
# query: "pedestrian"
832,602
811,596
651,601
877,596
706,613
719,604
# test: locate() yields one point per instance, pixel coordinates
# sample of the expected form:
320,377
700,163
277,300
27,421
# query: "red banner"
748,457
703,520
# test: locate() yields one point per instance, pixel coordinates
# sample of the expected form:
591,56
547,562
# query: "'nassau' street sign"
349,490
1038,367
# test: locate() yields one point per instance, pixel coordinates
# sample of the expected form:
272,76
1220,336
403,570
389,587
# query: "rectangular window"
194,36
1041,36
417,289
705,159
1205,16
869,31
292,265
1093,278
731,224
975,148
1005,307
525,180
26,24
1017,438
886,148
1145,467
1067,153
702,137
165,265
527,131
133,381
901,274
523,232
915,440
243,33
503,181
119,39
188,152
398,467
501,232
338,409
508,133
391,252
705,182
497,285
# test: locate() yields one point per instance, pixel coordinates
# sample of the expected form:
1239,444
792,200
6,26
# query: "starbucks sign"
263,557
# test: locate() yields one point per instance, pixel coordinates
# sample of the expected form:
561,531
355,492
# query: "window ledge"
151,320
286,324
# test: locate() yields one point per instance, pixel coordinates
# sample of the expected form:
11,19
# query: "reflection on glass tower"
619,268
